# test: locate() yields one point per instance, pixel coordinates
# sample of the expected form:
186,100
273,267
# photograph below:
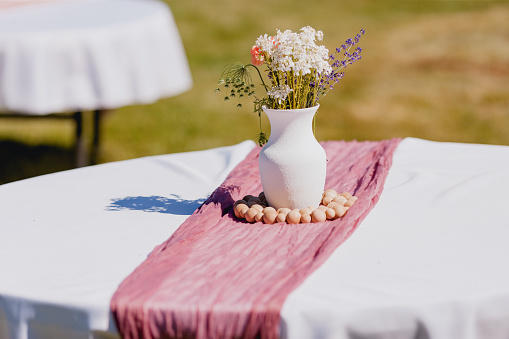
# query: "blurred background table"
427,262
71,56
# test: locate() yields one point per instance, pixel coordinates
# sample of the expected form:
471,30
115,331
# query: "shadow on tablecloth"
171,205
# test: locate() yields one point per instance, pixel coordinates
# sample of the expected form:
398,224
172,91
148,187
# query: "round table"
429,261
71,56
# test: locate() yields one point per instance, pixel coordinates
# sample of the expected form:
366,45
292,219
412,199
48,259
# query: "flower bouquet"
299,73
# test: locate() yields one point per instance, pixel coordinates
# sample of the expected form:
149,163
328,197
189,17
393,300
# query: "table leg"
80,157
97,136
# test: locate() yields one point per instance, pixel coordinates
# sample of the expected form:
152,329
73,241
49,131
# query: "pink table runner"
216,277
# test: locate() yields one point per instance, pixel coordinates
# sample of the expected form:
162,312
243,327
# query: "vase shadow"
223,196
170,205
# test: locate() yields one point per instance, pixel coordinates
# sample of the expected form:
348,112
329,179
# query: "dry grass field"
437,70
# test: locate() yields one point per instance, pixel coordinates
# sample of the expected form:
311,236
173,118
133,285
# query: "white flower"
266,44
279,93
296,52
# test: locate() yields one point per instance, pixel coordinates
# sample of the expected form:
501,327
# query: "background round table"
60,56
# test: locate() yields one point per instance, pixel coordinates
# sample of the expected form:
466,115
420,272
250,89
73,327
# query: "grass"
437,70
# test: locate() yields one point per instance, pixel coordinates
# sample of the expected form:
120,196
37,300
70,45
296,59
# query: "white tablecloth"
428,262
70,55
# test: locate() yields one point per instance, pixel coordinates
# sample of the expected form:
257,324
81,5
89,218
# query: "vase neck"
291,125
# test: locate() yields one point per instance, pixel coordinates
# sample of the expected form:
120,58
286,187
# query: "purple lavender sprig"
338,64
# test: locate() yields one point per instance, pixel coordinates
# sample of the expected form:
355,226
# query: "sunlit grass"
437,70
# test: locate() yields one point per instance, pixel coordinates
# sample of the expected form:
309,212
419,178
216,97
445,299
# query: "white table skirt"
71,55
428,261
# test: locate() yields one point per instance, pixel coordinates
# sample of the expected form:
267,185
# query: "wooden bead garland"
256,209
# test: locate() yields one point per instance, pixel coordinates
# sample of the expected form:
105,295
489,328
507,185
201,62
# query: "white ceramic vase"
292,163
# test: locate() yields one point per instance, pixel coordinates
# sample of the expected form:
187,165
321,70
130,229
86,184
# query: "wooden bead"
281,217
305,218
318,215
257,207
253,201
250,214
235,211
247,197
240,202
268,208
330,213
259,217
243,212
241,209
261,196
269,216
293,217
330,192
350,201
340,199
346,195
339,209
306,210
284,210
326,200
332,204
